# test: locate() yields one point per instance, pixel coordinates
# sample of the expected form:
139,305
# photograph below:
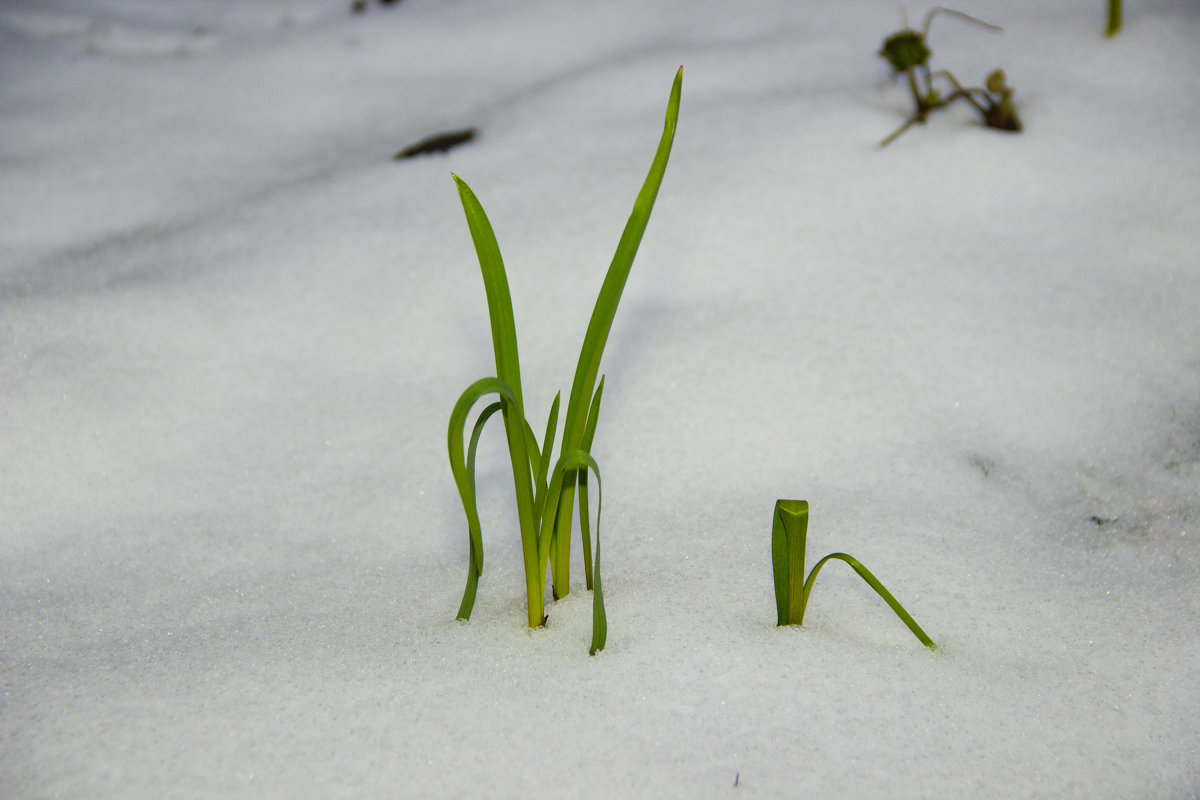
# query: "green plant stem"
1114,17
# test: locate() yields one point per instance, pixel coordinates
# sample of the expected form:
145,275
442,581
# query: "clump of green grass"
546,496
789,532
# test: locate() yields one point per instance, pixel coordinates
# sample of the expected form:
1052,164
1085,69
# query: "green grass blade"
508,370
601,320
495,282
875,584
468,600
618,272
475,557
578,460
476,432
1114,17
585,523
463,469
535,454
599,617
593,418
789,533
547,449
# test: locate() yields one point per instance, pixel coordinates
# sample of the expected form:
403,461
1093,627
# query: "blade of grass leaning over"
476,432
572,461
475,560
463,470
789,532
875,584
598,328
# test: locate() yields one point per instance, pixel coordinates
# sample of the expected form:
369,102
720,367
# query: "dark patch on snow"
438,143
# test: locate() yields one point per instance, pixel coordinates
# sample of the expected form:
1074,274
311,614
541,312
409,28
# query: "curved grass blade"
475,554
571,461
875,584
463,469
601,320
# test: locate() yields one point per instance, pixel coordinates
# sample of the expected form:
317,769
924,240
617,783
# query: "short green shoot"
789,531
1114,17
546,488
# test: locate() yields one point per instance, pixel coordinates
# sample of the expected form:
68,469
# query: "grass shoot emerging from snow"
545,496
789,532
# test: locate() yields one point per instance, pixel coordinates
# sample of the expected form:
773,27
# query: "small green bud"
905,50
996,82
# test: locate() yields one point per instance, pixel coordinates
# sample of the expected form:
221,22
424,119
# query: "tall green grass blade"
601,323
463,469
508,370
495,282
875,584
476,432
585,523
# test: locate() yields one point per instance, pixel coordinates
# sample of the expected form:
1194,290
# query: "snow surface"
233,328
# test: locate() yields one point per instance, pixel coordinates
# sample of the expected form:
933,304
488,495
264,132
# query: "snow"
233,330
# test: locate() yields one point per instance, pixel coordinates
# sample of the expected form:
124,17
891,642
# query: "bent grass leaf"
463,469
879,588
581,461
789,532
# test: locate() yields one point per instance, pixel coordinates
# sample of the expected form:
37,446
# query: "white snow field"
232,329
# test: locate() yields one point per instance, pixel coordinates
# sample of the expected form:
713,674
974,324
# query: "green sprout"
789,532
1114,17
545,496
908,53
